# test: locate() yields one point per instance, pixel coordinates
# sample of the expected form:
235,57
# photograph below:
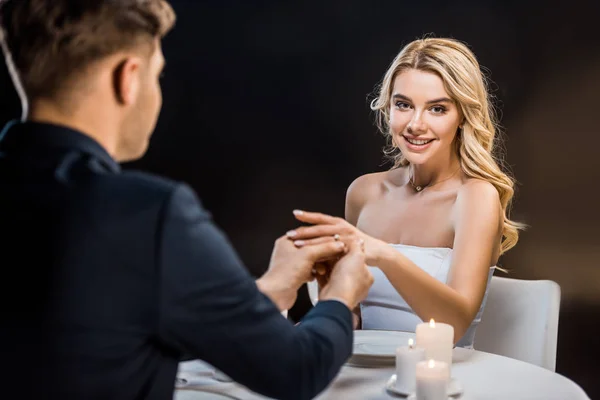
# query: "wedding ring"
336,237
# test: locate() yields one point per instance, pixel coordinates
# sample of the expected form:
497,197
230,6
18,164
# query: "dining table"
369,375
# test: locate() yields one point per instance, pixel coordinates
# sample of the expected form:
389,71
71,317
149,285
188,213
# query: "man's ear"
126,80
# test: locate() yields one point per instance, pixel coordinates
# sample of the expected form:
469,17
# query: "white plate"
370,362
372,343
380,344
373,348
455,389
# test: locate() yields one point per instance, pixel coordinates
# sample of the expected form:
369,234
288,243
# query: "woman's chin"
416,159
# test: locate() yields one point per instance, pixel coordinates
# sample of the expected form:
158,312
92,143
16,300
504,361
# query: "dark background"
266,110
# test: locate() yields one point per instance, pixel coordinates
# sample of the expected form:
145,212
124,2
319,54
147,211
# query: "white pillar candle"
437,339
407,358
432,380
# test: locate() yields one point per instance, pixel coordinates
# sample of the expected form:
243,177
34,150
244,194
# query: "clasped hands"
326,228
330,250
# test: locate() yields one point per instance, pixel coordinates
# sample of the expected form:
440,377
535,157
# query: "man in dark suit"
110,278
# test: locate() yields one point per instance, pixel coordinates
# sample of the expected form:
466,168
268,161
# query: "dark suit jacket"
109,278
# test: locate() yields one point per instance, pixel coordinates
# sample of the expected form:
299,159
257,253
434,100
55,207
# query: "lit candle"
407,358
437,339
432,380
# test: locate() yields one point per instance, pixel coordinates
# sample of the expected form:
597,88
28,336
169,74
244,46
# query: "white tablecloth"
483,376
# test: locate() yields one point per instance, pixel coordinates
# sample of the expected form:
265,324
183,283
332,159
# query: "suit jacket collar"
22,135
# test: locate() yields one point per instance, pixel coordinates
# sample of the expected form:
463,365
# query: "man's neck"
94,126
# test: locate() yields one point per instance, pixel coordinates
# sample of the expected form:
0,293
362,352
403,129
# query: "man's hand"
350,279
291,267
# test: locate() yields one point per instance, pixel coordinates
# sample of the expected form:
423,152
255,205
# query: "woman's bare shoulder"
478,199
368,185
363,189
475,190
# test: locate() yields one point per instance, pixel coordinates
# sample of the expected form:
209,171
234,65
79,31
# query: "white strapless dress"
385,309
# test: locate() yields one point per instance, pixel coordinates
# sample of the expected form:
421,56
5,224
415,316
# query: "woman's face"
423,118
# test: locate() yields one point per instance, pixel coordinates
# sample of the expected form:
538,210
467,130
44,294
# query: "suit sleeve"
211,309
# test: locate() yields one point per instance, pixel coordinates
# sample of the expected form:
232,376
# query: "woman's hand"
325,227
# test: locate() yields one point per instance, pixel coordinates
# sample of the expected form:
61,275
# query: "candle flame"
411,343
432,323
431,364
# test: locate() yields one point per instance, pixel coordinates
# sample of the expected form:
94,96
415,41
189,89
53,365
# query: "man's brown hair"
52,40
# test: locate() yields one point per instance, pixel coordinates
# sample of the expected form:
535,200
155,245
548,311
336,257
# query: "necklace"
420,188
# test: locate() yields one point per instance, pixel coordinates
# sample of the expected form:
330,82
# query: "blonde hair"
477,145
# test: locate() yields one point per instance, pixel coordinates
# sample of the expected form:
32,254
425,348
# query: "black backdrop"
266,110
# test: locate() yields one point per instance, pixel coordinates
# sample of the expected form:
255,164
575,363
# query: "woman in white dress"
435,224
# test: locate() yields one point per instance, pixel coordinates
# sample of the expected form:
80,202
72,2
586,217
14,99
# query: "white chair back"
520,321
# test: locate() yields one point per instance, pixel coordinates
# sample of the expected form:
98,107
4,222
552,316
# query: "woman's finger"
314,217
313,232
319,240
